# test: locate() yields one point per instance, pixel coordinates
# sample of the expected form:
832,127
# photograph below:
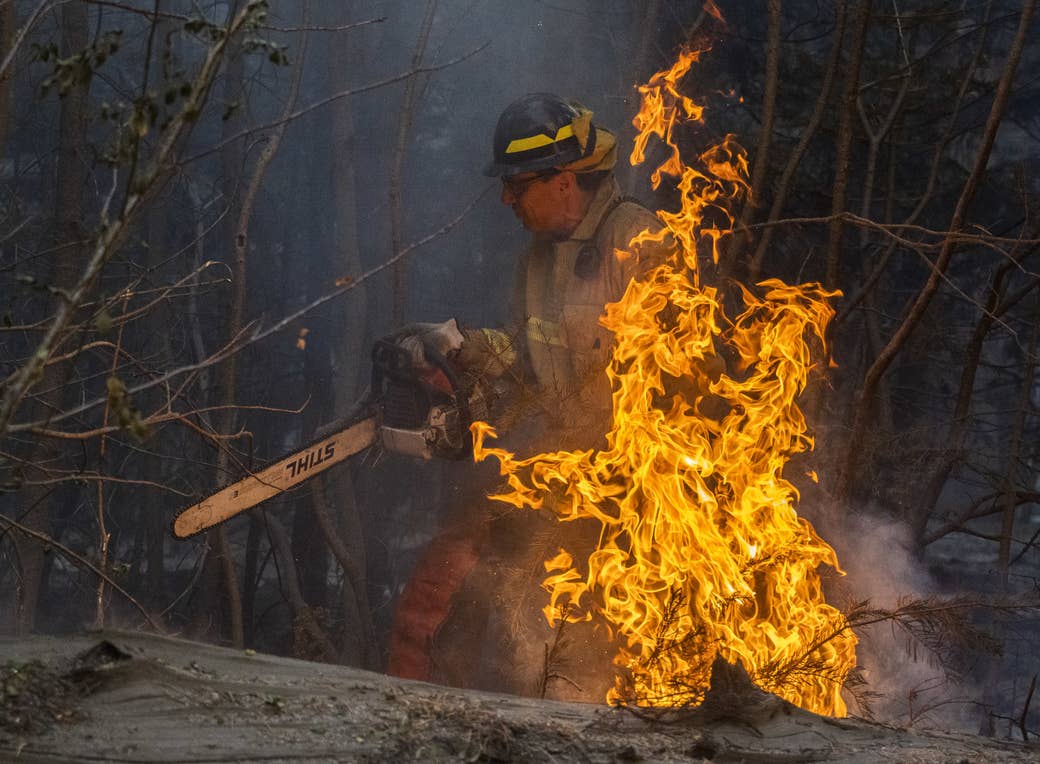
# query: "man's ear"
566,179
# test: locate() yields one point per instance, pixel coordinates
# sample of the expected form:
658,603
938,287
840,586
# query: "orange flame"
710,7
701,550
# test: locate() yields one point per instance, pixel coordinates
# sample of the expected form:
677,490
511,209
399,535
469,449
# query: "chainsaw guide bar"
422,410
280,476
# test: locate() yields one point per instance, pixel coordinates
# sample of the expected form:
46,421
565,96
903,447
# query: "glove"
421,350
443,338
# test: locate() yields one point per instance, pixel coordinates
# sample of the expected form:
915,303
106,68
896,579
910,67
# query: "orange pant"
426,602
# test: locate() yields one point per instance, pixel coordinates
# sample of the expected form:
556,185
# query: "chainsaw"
418,404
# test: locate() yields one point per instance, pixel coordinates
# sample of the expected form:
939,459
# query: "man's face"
538,200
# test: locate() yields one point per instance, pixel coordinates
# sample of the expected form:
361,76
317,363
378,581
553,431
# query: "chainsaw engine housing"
425,413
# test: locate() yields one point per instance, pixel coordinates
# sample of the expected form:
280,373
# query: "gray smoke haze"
908,684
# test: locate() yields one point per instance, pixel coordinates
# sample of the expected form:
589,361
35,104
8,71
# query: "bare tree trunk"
249,580
352,531
356,604
310,639
1009,500
843,149
240,271
923,299
875,138
787,177
312,557
404,130
760,165
219,572
231,587
72,175
347,352
7,29
159,224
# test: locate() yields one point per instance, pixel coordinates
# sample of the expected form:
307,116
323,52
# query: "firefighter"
556,167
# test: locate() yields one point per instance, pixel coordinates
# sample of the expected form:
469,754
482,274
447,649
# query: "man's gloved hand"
482,352
443,338
425,348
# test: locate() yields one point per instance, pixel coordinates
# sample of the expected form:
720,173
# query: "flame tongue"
701,551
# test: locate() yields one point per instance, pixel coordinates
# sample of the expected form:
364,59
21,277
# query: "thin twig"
114,233
103,535
48,541
1025,710
333,98
20,38
252,333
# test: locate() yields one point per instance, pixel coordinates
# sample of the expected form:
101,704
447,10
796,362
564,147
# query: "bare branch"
37,12
976,510
158,419
333,98
114,232
79,560
252,332
924,297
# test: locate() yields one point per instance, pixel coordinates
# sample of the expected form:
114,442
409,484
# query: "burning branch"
702,556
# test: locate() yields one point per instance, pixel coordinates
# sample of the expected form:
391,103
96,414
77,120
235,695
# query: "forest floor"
135,697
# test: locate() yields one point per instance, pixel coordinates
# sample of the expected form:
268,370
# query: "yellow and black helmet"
540,131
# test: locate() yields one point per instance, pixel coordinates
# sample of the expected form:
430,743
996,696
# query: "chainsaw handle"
395,366
390,360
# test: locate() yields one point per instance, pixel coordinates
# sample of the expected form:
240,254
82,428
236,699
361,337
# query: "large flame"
701,551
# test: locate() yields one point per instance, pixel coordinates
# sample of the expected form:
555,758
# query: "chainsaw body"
424,410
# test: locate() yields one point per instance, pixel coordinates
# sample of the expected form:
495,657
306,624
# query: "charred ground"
134,697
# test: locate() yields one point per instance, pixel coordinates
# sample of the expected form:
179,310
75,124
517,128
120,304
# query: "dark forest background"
209,210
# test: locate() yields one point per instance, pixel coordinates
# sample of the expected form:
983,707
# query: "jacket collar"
606,196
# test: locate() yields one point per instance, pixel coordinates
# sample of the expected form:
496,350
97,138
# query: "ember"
701,551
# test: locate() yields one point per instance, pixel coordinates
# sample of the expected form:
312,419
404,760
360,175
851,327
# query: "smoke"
906,681
876,554
569,661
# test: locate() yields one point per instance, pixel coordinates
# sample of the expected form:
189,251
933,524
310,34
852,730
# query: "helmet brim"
503,170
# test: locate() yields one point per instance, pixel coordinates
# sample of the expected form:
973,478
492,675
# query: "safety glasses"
518,186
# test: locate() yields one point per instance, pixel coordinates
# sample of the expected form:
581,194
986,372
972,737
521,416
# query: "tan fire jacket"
561,290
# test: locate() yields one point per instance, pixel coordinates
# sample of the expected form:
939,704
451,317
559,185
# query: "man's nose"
508,197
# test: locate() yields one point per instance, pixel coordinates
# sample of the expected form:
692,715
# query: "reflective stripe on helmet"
537,141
